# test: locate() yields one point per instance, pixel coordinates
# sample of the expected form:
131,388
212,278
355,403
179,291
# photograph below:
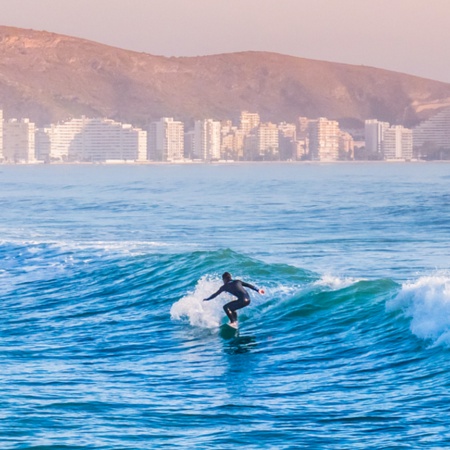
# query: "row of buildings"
386,142
105,140
251,140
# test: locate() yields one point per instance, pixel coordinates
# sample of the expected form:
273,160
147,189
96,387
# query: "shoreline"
218,163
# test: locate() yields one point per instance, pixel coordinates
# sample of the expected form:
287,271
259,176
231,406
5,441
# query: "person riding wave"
236,288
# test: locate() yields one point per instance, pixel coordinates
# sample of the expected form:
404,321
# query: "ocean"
106,342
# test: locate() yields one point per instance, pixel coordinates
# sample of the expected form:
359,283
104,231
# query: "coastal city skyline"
99,137
86,139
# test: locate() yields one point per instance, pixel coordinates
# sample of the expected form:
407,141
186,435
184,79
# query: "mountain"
49,77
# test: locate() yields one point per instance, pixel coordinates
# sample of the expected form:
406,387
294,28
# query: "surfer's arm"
250,286
214,295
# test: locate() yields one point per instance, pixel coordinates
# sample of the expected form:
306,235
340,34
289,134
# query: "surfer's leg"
230,311
230,308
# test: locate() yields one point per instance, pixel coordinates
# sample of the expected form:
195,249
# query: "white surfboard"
233,325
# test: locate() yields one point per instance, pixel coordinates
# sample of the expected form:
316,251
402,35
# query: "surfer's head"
226,277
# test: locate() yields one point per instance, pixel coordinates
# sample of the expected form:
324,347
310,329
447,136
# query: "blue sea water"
107,344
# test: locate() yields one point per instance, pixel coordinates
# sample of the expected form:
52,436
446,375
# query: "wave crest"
192,308
426,302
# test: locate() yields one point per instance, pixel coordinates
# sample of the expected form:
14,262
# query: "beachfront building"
432,137
18,141
323,139
232,141
249,122
267,141
91,140
166,140
397,144
133,144
302,127
374,131
61,141
109,141
207,139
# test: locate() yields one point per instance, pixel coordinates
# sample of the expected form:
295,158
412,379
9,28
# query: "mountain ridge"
50,77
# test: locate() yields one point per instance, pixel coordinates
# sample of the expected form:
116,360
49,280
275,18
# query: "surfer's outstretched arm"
214,295
250,286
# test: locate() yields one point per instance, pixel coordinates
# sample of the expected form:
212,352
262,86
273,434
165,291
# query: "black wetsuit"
236,288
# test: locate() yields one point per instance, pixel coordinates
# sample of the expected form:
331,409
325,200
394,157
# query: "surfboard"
233,325
229,331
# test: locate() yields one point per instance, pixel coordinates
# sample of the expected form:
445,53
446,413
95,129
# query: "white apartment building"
18,141
166,140
133,144
323,139
267,141
249,122
232,143
107,140
374,131
302,127
434,131
96,140
61,141
398,143
207,139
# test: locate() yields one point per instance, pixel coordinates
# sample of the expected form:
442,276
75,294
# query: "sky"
409,36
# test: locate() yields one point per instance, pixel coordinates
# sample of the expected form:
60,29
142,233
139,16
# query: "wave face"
106,341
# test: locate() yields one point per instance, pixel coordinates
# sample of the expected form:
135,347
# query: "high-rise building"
267,141
84,139
133,144
323,139
302,127
434,132
18,141
232,142
62,141
397,143
374,135
249,122
207,138
166,140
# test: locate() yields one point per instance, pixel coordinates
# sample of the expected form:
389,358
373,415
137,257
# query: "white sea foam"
202,314
427,302
334,282
127,247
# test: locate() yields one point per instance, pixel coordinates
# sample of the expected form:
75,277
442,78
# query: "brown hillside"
48,77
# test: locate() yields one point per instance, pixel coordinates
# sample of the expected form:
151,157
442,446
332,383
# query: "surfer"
236,288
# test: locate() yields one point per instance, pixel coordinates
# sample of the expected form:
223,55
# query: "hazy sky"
410,36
